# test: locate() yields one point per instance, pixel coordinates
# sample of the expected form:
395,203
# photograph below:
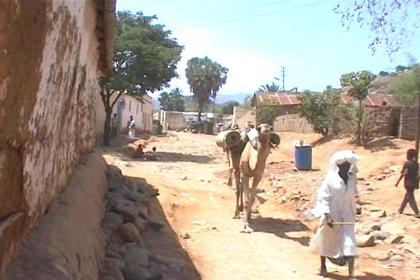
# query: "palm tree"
269,88
205,78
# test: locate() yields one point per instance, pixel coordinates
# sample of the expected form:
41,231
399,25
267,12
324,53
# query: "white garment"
337,199
131,129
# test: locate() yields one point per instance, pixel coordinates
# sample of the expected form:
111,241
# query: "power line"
238,19
235,11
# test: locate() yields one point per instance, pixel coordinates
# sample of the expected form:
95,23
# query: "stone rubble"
126,220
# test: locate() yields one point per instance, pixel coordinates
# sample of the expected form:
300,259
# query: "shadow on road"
174,157
365,276
281,227
164,241
381,144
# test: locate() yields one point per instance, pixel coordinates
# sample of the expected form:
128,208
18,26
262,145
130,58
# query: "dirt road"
191,174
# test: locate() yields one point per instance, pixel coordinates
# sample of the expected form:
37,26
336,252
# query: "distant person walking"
131,128
114,126
410,172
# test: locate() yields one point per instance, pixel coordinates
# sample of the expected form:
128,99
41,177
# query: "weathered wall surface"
48,82
68,243
379,121
241,116
175,120
408,123
292,123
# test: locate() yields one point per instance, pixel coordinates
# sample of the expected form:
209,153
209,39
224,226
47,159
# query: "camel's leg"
237,172
241,195
228,154
239,203
247,208
256,180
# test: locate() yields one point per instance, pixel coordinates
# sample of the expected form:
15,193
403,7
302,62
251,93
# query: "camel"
234,156
252,164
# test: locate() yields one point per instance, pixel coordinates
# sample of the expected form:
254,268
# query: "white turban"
341,157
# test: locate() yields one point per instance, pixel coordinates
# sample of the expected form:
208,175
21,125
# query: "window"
137,111
129,105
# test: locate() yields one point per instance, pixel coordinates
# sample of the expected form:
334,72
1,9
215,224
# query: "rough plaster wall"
62,119
48,81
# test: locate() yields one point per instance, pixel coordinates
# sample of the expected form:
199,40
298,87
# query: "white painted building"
141,108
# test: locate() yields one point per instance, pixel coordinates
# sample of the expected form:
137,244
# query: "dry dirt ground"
191,173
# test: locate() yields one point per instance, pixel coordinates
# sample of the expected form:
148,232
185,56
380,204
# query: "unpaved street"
191,174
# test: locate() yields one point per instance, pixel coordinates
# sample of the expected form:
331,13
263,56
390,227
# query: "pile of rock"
388,232
125,223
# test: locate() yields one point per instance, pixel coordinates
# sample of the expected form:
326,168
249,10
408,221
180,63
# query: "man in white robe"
336,207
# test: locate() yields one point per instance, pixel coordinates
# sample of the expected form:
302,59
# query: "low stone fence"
292,123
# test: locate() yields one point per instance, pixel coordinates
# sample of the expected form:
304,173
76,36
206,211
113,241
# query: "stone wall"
408,123
48,82
379,121
175,120
292,123
67,243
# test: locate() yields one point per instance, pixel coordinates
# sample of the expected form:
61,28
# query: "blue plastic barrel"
303,157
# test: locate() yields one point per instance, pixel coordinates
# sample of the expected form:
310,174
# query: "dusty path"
190,175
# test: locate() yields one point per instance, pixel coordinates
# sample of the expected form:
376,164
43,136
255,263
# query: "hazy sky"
255,38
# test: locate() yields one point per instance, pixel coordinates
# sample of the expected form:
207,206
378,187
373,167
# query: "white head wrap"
341,157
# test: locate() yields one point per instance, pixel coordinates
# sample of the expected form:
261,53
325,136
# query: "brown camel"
233,154
252,164
234,157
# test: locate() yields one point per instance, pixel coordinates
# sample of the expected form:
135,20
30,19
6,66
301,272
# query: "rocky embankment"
127,224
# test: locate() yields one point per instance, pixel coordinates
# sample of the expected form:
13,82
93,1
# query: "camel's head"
267,136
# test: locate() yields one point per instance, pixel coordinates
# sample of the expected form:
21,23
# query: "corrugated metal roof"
375,100
292,99
284,99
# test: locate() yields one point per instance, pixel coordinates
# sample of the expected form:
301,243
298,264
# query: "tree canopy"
267,113
391,22
406,87
323,110
205,78
145,56
358,88
145,59
269,88
172,101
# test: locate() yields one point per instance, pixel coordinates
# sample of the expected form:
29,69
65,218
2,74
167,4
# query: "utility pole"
283,72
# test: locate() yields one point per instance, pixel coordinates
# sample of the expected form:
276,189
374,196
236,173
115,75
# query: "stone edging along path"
135,228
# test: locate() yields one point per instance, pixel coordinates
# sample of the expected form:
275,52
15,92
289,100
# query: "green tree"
269,88
172,101
267,113
145,59
314,109
323,110
358,85
391,22
205,78
406,88
383,74
227,108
